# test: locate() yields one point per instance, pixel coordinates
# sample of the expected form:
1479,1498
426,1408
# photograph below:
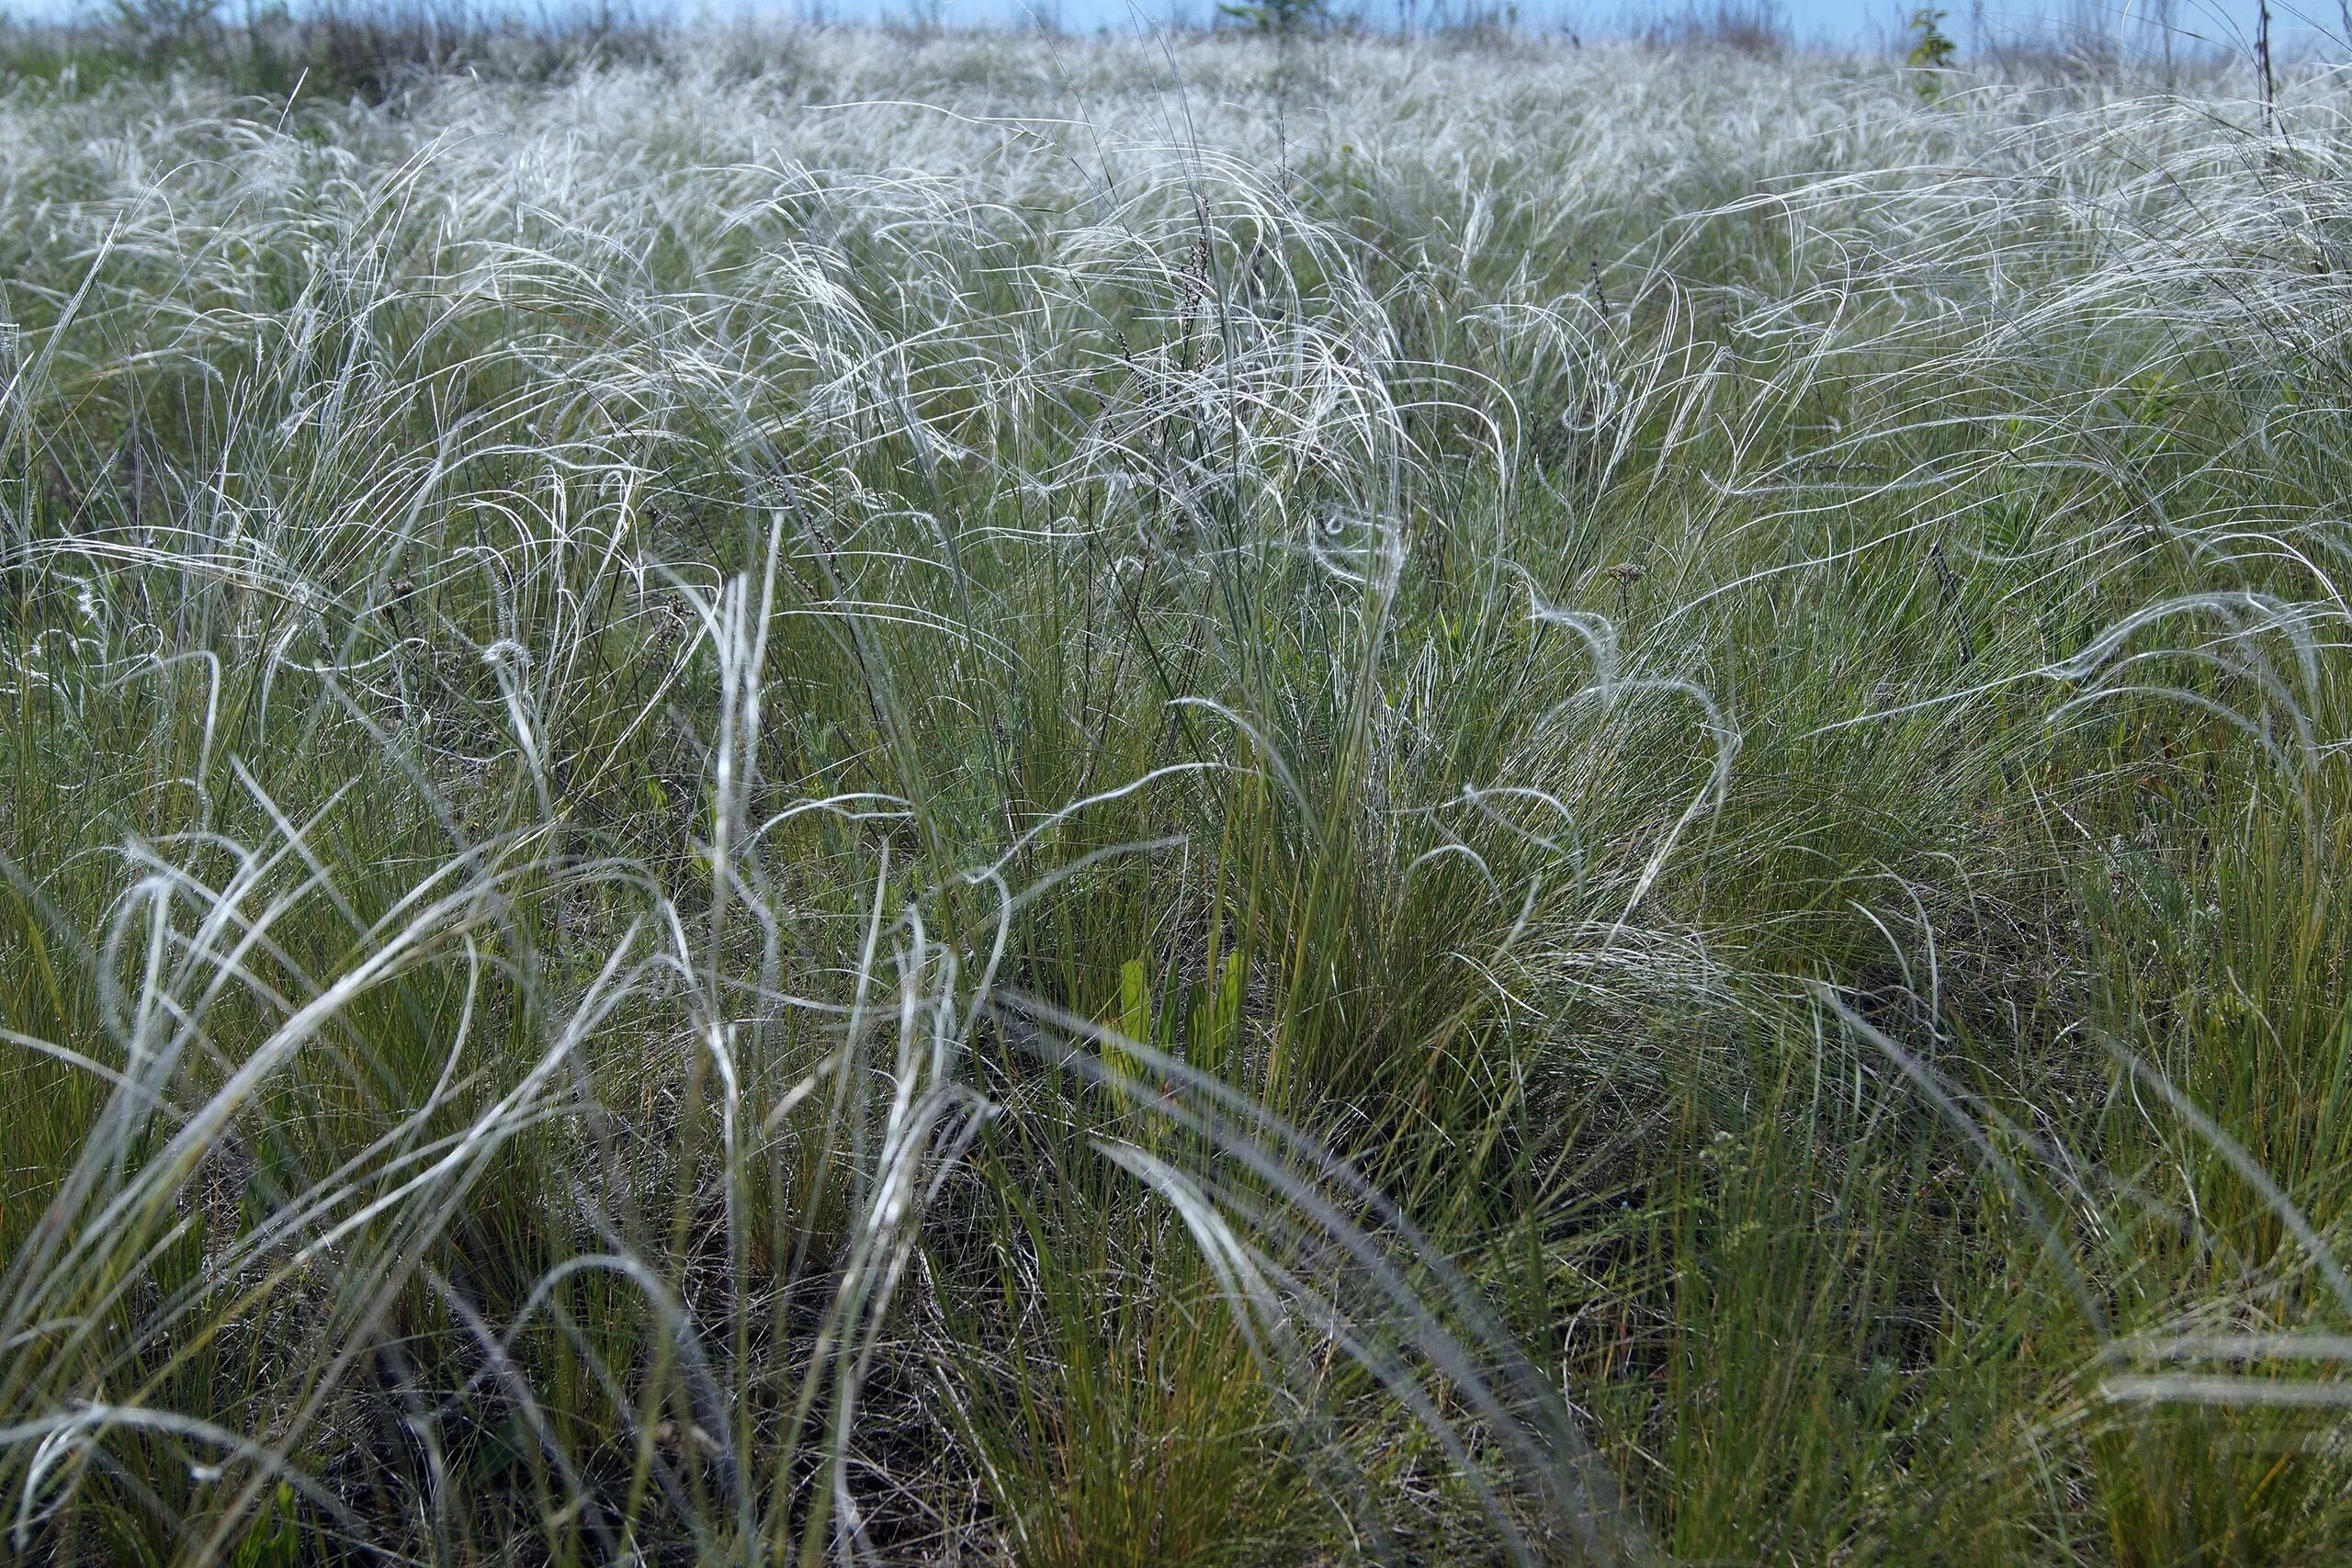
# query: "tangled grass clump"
1250,801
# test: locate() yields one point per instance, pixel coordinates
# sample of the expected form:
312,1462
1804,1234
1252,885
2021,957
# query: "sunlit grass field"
833,797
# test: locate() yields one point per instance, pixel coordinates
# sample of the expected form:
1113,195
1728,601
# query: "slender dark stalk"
2262,64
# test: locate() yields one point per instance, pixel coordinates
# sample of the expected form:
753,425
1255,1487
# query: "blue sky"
2225,23
2299,25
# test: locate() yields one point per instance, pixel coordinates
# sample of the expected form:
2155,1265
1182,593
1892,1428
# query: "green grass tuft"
831,797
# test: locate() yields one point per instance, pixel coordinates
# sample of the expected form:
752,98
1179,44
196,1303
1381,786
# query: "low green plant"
1931,50
1286,18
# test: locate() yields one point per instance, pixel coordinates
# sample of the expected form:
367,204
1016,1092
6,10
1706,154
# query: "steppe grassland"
1192,802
